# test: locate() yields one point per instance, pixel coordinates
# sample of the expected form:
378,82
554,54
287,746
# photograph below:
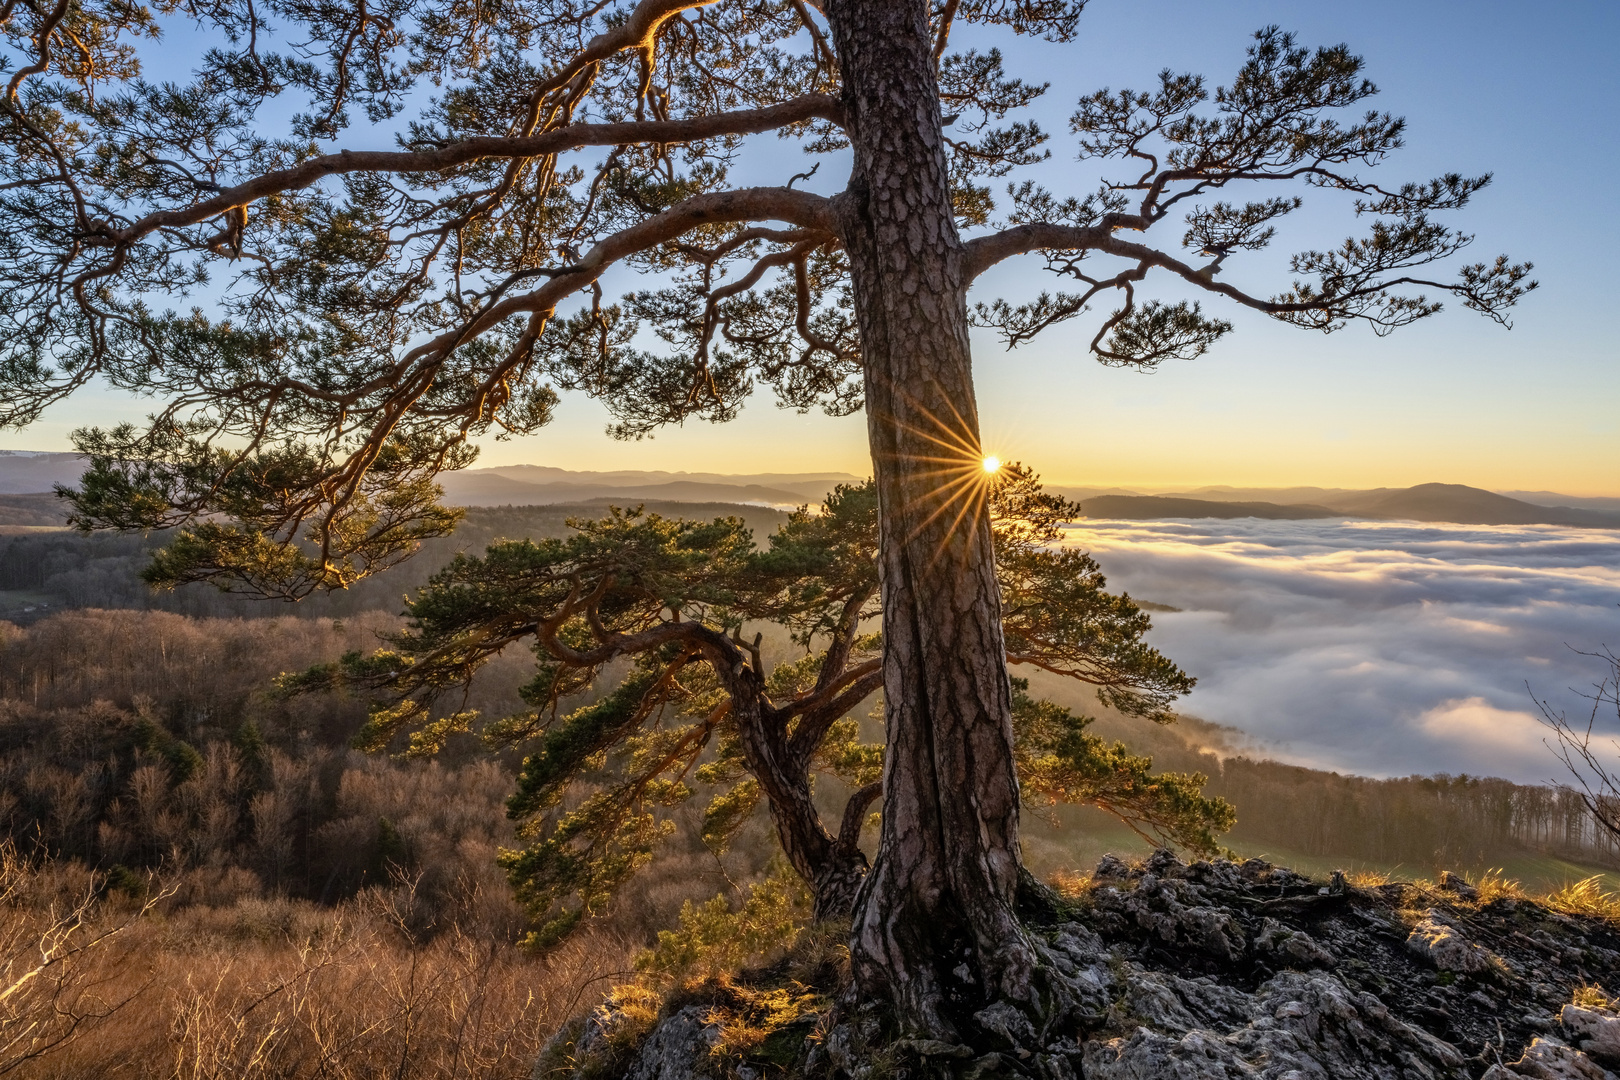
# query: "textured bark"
832,866
934,929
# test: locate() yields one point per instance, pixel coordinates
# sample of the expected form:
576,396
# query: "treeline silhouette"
1416,821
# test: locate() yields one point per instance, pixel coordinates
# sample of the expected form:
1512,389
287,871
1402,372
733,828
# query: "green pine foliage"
712,941
648,694
1058,762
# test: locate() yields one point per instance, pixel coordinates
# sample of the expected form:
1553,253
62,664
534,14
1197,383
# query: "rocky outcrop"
1220,970
677,1049
1595,1031
1444,946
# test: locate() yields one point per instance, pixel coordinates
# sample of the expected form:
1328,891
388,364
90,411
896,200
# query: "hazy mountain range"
25,473
1426,502
541,484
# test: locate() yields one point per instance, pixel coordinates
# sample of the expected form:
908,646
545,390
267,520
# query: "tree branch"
571,137
849,831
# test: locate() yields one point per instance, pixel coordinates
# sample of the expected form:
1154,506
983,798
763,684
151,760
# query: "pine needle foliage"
648,693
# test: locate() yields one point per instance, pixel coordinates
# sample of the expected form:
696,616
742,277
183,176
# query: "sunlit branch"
572,137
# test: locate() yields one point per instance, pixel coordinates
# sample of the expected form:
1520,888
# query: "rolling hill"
1465,506
24,473
1455,503
489,490
1149,507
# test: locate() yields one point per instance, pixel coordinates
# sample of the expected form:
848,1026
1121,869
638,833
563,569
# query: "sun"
991,464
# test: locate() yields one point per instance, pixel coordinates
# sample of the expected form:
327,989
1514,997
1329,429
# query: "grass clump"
1585,898
1494,885
626,1013
1368,879
1592,996
1070,884
767,1025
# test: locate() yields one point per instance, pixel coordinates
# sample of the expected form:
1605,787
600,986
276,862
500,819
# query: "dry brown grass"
1585,898
1494,885
1070,884
269,988
1592,996
1367,879
55,943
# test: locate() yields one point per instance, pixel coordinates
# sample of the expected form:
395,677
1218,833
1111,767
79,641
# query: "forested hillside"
143,740
146,739
47,571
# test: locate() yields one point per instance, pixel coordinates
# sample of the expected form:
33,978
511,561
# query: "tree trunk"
935,932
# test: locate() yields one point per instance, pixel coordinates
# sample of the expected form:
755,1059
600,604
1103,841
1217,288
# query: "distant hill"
1148,507
44,570
1455,503
33,510
25,472
487,487
1553,498
802,486
1287,496
1465,506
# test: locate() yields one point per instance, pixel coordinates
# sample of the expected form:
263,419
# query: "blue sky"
1528,92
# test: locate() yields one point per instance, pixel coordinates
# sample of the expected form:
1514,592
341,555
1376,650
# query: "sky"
1378,648
1528,92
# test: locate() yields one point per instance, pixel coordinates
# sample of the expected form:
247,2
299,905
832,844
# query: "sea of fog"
1381,648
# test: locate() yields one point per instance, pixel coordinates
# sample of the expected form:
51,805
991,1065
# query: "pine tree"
375,310
700,709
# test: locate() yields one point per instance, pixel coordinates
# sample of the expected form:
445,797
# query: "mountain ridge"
1451,503
32,473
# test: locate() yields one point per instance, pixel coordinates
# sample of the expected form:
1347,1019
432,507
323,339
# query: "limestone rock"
1111,867
677,1049
1176,913
1454,883
1006,1022
1293,947
1595,1031
1444,946
1294,1026
844,1045
1549,1059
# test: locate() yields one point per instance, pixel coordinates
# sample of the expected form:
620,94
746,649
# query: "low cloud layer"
1375,647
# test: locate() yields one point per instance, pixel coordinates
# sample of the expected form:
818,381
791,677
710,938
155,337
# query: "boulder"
677,1049
1549,1059
1444,946
1291,947
1594,1031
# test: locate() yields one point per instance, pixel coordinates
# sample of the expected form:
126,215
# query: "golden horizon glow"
992,464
